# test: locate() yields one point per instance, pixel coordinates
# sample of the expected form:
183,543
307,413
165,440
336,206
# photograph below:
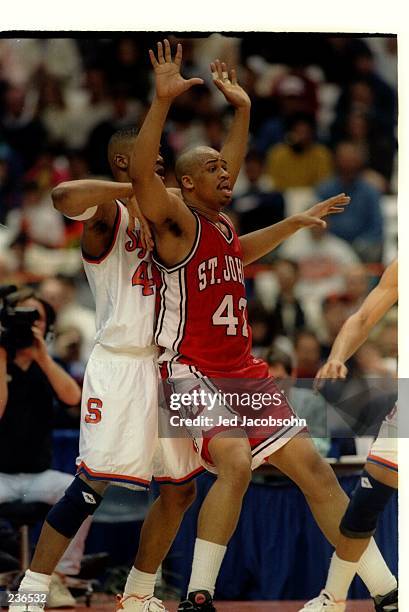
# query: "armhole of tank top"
115,229
188,257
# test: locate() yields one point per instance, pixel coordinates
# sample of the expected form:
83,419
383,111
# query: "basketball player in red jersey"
203,328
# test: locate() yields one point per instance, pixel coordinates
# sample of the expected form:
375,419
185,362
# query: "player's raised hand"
333,369
168,80
314,215
228,85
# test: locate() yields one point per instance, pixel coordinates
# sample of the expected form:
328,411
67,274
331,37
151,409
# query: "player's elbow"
60,196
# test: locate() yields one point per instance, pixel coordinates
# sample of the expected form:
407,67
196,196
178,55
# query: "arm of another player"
3,381
356,329
263,241
155,201
235,146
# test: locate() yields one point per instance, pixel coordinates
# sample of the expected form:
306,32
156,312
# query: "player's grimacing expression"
211,180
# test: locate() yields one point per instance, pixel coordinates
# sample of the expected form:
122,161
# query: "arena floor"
240,606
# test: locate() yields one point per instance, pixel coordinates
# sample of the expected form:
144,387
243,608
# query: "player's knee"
236,471
79,501
367,503
179,496
318,477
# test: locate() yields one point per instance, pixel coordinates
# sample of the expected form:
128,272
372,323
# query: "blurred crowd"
324,121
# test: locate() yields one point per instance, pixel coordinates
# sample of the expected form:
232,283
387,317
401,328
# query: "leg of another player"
158,532
220,510
328,503
52,544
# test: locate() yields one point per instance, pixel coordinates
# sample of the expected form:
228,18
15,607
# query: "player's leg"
158,532
80,500
218,517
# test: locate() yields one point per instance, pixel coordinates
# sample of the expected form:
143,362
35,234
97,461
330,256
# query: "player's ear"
187,183
121,161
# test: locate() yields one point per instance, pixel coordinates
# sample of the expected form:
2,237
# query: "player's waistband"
101,351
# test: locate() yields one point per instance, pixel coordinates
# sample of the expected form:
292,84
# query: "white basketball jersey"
123,288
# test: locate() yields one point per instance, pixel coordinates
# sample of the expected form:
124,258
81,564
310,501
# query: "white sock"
374,572
139,583
340,576
33,581
207,560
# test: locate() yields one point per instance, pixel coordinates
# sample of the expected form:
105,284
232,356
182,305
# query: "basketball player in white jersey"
380,477
119,419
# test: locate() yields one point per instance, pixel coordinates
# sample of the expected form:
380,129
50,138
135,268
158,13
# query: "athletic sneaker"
133,603
387,603
324,603
59,596
197,600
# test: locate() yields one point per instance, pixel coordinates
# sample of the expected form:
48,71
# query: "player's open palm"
168,80
332,206
228,85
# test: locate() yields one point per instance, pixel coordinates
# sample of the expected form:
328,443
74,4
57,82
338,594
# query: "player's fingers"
219,84
219,68
168,54
195,81
131,222
161,59
153,59
225,74
179,53
233,76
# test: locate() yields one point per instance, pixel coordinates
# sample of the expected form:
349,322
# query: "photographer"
30,380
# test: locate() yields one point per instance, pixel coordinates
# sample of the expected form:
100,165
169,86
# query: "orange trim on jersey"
112,476
381,460
176,480
100,259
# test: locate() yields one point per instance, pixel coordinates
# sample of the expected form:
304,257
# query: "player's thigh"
300,460
48,486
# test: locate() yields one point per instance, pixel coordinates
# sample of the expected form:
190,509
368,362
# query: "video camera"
16,321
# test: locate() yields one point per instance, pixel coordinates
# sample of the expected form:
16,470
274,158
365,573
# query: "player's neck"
209,213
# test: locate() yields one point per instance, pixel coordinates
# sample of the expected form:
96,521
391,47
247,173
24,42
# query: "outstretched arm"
263,241
235,146
73,198
356,329
155,201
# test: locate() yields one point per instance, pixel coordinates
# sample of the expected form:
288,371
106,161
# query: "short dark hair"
119,139
275,356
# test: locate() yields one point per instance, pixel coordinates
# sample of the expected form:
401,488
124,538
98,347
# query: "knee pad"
367,503
79,502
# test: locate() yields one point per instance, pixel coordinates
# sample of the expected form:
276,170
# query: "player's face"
212,181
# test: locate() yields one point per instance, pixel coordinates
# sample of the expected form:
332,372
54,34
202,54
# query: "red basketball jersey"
202,318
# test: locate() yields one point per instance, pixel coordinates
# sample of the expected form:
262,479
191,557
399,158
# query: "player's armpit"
98,232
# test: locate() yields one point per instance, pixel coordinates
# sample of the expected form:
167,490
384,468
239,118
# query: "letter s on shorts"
94,406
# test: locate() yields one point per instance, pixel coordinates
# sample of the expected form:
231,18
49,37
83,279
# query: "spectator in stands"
361,225
60,291
54,112
255,201
322,258
335,311
300,161
29,381
36,219
308,356
356,281
288,311
20,128
307,404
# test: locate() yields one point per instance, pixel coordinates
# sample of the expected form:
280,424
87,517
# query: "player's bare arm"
235,146
356,329
263,241
174,225
95,199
